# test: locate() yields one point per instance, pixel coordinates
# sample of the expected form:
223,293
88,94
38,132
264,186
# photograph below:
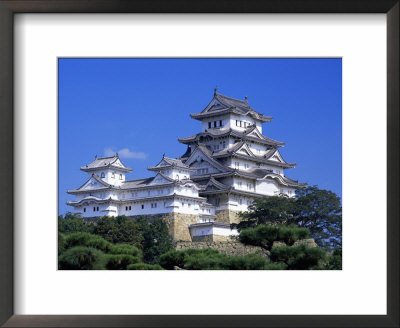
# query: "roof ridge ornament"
246,100
215,90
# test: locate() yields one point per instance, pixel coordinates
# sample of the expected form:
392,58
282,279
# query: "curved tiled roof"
223,132
171,162
105,162
230,105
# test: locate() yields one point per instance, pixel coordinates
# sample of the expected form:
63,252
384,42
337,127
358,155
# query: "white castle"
226,167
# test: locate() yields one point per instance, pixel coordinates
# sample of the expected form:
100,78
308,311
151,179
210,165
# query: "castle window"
94,209
240,123
130,207
120,176
237,123
126,208
84,209
142,206
240,201
220,122
215,124
209,125
102,175
97,209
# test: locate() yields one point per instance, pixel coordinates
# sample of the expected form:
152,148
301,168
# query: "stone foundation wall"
211,238
178,225
230,248
227,216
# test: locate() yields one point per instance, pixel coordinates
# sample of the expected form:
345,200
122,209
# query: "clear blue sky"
140,107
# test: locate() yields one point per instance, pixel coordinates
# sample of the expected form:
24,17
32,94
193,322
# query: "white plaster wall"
224,118
207,210
245,119
201,231
203,168
267,187
244,184
239,203
225,231
177,174
108,176
212,230
258,150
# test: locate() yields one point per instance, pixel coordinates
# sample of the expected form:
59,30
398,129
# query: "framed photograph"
151,173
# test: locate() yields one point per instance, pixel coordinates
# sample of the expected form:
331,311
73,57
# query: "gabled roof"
213,184
267,158
94,177
106,162
221,104
167,163
209,156
251,134
89,199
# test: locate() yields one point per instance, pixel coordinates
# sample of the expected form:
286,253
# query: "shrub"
298,257
156,240
334,261
171,259
144,266
87,239
205,259
265,234
290,234
275,266
125,249
61,243
71,223
210,259
81,258
247,262
119,230
120,261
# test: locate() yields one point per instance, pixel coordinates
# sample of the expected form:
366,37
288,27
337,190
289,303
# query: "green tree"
317,210
299,257
120,261
271,210
144,266
334,260
72,223
82,258
119,230
156,240
210,259
265,234
88,240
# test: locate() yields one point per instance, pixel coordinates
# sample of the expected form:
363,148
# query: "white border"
359,289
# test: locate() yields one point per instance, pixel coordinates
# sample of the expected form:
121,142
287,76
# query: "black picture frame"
10,7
